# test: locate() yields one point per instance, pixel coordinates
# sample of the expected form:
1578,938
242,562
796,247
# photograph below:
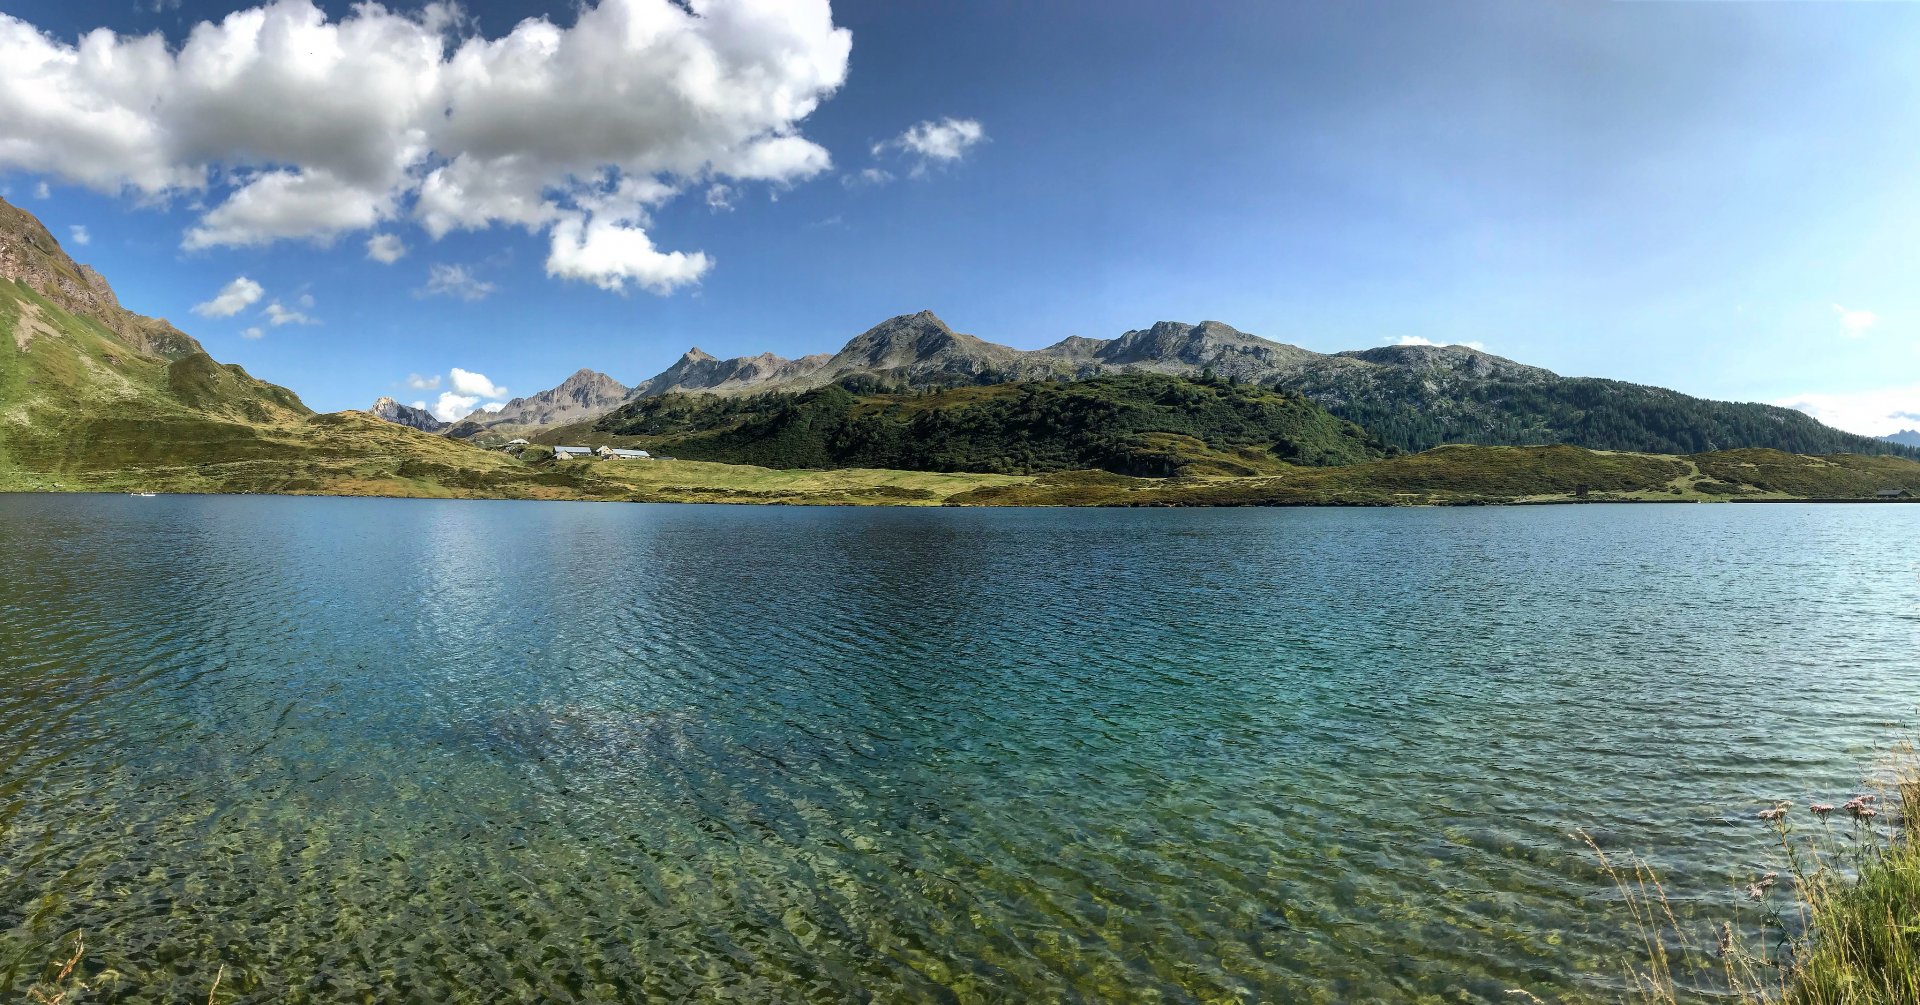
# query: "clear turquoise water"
420,751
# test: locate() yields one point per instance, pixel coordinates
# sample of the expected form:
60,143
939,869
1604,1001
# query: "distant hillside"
1150,425
1905,437
1420,397
1411,397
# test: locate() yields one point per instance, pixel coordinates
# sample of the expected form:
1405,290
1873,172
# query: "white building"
571,453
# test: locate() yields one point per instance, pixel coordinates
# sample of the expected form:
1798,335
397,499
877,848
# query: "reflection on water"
415,751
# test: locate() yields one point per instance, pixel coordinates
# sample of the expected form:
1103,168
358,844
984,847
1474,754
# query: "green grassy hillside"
1417,408
76,396
1140,424
1466,475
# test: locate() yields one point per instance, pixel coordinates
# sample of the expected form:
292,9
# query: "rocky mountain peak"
696,355
1459,360
405,415
585,380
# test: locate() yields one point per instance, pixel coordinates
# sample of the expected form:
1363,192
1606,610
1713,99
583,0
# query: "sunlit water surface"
423,751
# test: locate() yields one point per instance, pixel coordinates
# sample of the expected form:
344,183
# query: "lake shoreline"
1156,504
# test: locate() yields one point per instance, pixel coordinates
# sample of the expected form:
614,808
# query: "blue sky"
1716,197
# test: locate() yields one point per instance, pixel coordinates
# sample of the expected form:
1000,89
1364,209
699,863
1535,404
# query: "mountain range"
1905,437
95,397
1413,397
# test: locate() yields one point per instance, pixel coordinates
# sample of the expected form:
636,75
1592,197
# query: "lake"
428,751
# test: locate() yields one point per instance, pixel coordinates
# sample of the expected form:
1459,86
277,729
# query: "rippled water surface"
422,751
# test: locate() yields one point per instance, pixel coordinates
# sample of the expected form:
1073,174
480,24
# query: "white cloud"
282,205
454,281
1877,412
451,406
293,125
609,254
386,248
81,236
719,197
420,383
42,191
420,405
1854,322
867,176
468,382
932,143
253,333
279,314
233,298
470,391
1419,340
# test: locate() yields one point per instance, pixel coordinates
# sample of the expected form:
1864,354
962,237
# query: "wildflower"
1773,814
1821,810
1860,808
1759,888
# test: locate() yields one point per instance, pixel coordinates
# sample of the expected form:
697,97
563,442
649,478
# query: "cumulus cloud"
254,333
278,314
719,197
420,383
451,406
609,254
386,248
291,125
454,281
42,191
233,298
280,205
933,143
1419,340
468,382
1876,412
1855,322
80,235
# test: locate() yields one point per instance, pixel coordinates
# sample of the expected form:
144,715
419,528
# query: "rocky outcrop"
698,371
405,415
30,255
585,395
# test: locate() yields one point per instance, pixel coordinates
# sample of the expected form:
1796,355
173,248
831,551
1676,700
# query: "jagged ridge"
1413,396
